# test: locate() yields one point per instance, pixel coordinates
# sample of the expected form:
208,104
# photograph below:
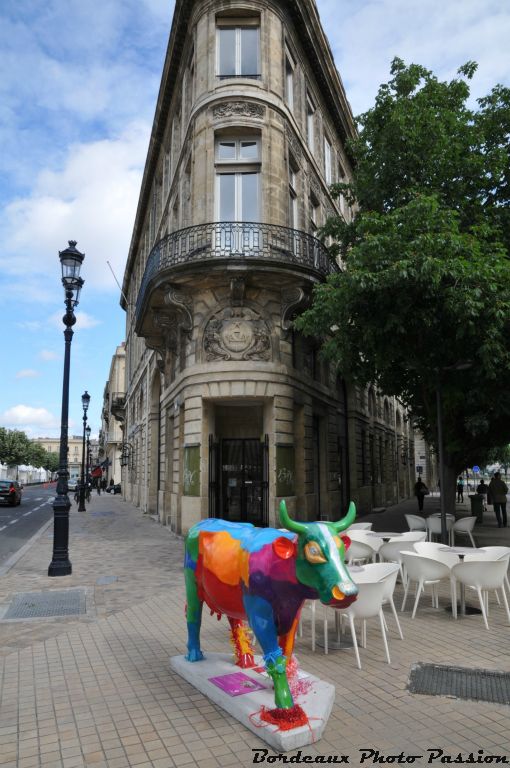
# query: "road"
19,524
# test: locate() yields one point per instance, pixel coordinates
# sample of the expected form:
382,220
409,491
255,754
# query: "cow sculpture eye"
313,553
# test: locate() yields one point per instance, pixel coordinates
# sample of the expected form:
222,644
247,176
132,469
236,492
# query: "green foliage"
500,455
427,281
15,447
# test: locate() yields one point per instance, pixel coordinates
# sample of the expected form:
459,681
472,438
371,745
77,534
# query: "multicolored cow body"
264,575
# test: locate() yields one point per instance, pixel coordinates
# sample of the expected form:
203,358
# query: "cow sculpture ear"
284,548
346,540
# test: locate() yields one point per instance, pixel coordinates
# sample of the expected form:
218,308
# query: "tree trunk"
450,489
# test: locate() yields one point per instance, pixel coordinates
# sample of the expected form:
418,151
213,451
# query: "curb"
13,559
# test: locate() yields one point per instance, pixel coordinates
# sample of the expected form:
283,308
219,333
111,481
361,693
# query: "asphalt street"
19,524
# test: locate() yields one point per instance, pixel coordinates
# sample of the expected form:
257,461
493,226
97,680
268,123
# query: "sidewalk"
97,690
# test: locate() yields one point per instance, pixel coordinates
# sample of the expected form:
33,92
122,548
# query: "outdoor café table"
462,552
384,535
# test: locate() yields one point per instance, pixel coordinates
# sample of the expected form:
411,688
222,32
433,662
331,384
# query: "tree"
500,455
425,289
52,462
15,447
38,456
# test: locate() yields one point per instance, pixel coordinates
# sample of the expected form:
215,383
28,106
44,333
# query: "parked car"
10,492
113,488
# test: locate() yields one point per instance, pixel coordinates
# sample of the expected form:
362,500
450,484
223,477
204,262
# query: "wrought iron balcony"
227,240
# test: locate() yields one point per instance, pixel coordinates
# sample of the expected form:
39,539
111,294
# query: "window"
314,214
238,179
238,51
310,123
289,81
327,162
293,202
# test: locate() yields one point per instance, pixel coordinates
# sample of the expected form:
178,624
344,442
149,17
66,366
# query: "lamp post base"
60,568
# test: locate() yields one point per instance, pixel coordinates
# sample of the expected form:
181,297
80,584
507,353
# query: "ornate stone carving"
183,306
239,109
237,333
292,299
294,145
315,187
165,343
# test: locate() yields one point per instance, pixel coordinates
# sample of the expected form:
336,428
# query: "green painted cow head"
320,558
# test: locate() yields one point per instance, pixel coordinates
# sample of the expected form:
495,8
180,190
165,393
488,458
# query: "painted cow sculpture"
264,575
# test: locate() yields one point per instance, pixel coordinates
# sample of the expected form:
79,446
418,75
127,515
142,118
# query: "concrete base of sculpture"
240,693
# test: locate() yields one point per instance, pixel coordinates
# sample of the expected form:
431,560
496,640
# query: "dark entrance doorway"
238,480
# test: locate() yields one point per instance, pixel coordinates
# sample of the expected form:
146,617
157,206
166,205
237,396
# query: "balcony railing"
236,240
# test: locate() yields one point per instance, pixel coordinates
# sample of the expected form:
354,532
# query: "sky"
78,91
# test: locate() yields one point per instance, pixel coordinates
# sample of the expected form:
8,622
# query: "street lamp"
85,401
88,431
71,260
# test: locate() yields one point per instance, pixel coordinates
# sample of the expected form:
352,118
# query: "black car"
113,488
10,492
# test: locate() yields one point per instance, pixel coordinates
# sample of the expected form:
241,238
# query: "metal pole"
60,564
88,461
444,532
81,507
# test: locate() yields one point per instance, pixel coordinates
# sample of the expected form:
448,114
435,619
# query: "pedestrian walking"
482,489
460,489
498,490
420,491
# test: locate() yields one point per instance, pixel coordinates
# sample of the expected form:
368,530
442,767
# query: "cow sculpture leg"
193,616
261,617
240,638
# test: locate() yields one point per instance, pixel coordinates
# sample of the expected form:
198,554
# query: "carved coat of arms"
237,334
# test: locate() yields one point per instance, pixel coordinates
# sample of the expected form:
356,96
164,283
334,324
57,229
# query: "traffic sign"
476,469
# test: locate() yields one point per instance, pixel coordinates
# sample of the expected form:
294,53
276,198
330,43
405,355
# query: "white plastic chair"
425,571
363,547
359,527
391,551
463,527
416,522
367,605
435,550
434,526
386,572
483,575
492,553
411,537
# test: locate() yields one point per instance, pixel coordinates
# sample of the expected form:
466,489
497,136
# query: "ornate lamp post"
88,431
85,400
71,260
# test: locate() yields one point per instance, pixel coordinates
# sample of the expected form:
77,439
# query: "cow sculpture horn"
291,525
348,520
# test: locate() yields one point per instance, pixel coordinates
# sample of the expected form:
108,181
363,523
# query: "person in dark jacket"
498,490
420,491
482,489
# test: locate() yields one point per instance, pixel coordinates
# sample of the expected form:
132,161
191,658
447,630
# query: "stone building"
74,452
111,437
227,408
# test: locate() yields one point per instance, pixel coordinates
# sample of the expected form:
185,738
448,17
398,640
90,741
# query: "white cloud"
84,320
27,373
27,416
440,36
48,354
92,198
